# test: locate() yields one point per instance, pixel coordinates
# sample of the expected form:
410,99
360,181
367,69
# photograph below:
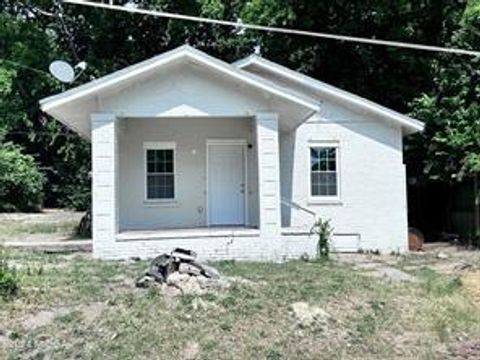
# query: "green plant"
8,280
324,231
21,182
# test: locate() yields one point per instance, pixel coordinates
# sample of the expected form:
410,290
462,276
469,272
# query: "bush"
324,231
8,280
21,182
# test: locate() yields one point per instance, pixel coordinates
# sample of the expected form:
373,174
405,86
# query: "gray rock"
189,268
210,272
183,254
177,278
145,281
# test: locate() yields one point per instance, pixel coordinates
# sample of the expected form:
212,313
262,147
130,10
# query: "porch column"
266,125
104,183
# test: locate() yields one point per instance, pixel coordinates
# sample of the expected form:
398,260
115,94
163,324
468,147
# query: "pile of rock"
179,273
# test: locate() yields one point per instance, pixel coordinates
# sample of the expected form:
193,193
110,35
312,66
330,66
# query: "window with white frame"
160,171
324,171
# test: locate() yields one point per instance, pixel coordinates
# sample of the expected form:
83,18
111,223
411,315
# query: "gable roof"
298,95
129,73
409,124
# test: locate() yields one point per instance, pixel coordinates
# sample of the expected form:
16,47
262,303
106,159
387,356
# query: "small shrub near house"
21,182
324,230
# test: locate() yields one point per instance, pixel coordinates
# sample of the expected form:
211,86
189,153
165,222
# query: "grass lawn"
71,306
49,225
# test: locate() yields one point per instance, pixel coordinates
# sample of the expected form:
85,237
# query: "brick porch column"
104,183
266,126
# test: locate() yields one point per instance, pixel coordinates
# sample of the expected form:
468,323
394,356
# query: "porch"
188,233
181,178
185,141
186,173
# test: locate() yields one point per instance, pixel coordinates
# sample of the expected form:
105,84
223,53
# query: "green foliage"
439,285
8,280
449,148
451,141
324,231
20,181
33,34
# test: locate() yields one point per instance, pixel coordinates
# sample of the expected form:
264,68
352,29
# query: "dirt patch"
43,318
91,312
50,225
306,315
471,283
441,257
377,266
392,274
191,351
45,216
469,349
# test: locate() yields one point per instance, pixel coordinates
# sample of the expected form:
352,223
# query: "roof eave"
409,125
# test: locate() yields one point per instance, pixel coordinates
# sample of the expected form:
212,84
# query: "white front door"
226,183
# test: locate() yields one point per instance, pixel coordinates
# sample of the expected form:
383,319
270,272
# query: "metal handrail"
294,205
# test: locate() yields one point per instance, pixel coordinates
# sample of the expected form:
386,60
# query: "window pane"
160,178
168,155
332,165
169,167
150,167
160,186
160,161
331,153
324,174
150,155
314,159
323,165
315,181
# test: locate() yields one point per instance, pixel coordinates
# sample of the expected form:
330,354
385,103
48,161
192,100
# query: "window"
160,171
324,171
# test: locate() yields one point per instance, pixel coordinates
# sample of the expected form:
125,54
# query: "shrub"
21,182
8,280
84,229
324,231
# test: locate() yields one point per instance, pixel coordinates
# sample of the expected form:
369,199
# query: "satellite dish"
62,71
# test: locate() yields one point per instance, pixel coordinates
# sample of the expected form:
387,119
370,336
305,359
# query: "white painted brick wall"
373,191
372,177
104,189
268,174
246,248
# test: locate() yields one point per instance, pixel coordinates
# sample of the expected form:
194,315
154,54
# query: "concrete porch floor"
188,233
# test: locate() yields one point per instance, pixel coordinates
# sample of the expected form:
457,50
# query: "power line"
14,63
132,9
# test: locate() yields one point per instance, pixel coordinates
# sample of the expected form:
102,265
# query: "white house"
235,161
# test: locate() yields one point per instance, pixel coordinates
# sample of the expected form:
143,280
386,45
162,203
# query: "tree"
33,33
451,141
27,46
20,181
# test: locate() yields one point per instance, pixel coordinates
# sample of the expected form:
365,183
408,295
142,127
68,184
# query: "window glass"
323,171
160,174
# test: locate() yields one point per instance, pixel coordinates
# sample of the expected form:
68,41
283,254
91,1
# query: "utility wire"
17,64
240,25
